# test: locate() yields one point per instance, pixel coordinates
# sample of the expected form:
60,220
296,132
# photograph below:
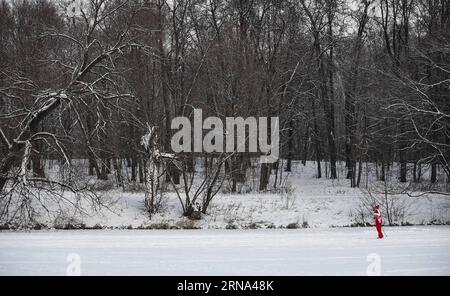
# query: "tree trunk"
91,166
290,146
383,171
317,143
402,167
8,162
103,174
134,164
141,171
329,97
415,172
36,156
358,181
37,165
306,145
433,178
117,163
419,172
264,178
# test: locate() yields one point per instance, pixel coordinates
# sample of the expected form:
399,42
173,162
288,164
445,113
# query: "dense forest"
356,82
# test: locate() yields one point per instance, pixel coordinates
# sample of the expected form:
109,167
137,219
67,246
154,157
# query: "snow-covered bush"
287,192
392,200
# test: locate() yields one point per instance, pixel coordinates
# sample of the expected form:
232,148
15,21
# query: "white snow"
317,202
422,250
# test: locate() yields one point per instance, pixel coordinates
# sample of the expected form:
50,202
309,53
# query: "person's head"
377,207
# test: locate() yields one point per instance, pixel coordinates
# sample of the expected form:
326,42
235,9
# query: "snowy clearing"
423,250
313,202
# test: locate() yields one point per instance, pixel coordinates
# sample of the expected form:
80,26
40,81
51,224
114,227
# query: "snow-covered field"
421,250
310,202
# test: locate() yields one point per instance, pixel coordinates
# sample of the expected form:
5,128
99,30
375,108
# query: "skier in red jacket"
378,220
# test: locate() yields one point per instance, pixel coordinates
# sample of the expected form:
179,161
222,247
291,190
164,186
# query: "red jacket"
378,217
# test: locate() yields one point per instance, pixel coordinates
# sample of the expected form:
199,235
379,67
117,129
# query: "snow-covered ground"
421,250
309,202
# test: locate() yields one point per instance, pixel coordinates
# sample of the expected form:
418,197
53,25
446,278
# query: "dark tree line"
354,81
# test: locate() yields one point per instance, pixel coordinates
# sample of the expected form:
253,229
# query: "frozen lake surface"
423,250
